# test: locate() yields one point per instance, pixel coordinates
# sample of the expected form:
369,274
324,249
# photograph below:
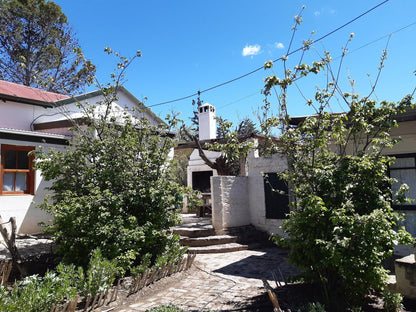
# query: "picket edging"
150,276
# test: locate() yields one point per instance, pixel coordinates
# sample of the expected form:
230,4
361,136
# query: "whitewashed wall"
19,116
24,207
256,166
241,201
230,201
196,164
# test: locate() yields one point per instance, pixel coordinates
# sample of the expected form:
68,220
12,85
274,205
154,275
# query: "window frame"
397,156
30,173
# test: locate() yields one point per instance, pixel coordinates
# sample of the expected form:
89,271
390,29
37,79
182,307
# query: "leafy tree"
38,48
114,190
341,225
244,129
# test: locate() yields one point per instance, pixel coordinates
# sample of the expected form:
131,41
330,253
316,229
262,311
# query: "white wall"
256,166
241,201
23,207
19,116
197,164
230,202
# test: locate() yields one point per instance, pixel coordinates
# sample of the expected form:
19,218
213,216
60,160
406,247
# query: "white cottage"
30,118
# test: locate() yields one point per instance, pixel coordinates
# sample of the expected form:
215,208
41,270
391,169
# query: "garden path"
217,282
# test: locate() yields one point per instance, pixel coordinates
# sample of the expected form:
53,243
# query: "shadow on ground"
262,266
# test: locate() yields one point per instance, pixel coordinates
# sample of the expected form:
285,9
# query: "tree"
38,48
341,226
114,190
245,128
195,118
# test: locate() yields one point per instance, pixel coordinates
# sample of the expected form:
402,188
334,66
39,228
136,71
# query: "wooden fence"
137,283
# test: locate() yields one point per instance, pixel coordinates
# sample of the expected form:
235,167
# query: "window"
17,175
276,196
404,171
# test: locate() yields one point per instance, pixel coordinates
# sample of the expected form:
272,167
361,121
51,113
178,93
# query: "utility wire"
338,57
279,59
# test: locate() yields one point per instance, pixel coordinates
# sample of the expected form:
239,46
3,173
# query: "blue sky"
191,45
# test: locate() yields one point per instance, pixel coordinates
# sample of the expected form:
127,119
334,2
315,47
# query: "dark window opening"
201,181
276,193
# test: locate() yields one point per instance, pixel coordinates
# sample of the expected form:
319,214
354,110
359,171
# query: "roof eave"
8,97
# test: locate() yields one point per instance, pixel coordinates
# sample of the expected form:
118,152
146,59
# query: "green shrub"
100,275
392,302
115,191
165,308
342,225
37,294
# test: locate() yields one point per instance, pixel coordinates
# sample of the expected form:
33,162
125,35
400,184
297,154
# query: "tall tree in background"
38,49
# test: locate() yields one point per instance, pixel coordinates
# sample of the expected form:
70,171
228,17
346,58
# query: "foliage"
165,308
342,225
392,302
38,48
100,274
234,148
180,165
36,294
113,188
312,307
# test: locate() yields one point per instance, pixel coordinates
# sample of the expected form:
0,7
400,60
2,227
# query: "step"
192,218
231,247
189,231
208,240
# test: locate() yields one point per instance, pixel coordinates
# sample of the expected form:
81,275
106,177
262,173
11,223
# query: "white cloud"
251,50
279,45
316,13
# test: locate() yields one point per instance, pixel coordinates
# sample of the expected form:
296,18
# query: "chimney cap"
206,108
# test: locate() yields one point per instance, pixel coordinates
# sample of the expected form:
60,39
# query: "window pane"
8,181
21,181
407,176
22,160
10,159
403,162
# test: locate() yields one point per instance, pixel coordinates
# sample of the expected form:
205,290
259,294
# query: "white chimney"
207,122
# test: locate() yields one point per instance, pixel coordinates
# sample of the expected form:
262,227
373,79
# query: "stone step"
192,231
208,240
221,248
192,218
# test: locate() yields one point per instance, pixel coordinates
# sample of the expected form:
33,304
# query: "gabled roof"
89,95
23,94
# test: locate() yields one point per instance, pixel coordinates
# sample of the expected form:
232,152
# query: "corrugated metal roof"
24,92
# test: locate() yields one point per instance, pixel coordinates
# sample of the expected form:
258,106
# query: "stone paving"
216,282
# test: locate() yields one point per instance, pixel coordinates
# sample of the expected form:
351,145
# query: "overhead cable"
278,59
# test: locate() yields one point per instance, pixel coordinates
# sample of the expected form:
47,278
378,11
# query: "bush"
342,224
115,190
392,302
37,294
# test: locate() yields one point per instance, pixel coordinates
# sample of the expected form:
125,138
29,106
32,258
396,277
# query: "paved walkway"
217,282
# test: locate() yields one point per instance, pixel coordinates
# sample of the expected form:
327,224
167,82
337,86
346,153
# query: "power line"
279,59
